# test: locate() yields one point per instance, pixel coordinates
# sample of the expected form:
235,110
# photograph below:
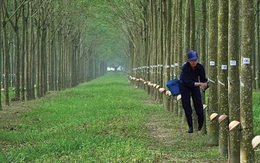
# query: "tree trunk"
213,131
38,80
192,26
17,53
202,51
152,41
32,54
28,57
43,60
52,54
6,55
257,57
223,74
1,15
155,56
233,76
169,52
146,29
187,29
186,46
179,45
247,45
23,55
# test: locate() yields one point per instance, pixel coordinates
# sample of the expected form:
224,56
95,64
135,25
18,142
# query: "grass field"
105,120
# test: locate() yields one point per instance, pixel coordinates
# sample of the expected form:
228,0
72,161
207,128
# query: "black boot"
189,121
190,130
200,122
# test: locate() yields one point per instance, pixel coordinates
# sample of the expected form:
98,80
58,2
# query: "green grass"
105,120
256,112
99,121
11,94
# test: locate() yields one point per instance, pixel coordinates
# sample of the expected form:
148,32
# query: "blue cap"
192,55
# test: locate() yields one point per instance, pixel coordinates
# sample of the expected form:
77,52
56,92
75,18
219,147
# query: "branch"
9,18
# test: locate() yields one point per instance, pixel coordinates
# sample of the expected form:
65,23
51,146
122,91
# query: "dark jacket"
189,76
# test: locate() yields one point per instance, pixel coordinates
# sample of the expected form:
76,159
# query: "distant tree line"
45,47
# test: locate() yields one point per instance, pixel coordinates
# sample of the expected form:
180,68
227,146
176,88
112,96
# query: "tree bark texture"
213,130
223,74
246,72
233,83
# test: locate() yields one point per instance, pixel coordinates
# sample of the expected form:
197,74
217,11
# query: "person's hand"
204,86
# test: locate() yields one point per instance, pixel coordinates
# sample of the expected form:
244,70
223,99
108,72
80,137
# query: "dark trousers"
195,94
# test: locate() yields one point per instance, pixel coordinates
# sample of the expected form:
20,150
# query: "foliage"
104,30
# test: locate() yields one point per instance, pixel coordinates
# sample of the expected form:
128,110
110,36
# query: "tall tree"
154,43
146,22
179,45
186,39
233,76
31,52
23,51
5,53
168,51
222,74
192,25
202,51
187,29
247,49
17,50
193,46
1,12
257,58
213,131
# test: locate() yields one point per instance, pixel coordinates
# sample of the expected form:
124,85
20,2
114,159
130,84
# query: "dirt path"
176,145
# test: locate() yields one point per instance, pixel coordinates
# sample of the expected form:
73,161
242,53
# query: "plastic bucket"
174,86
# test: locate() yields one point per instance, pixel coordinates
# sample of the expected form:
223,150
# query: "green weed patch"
105,120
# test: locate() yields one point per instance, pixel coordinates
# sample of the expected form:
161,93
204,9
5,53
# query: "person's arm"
202,85
203,80
202,75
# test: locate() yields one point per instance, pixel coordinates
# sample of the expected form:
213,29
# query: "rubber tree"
179,45
30,56
257,58
154,42
222,74
160,47
213,131
5,52
169,47
233,76
187,29
246,72
1,12
192,25
202,45
17,49
13,20
186,38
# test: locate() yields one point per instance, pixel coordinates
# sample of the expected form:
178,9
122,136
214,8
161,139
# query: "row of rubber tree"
52,45
46,46
226,36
